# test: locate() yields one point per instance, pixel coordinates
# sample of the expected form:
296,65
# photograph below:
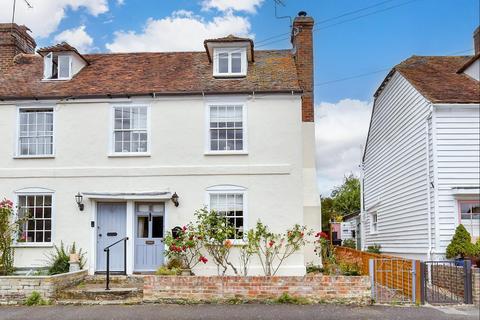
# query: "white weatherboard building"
230,128
421,166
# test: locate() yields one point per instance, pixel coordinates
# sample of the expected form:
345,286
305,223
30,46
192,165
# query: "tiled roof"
128,74
437,78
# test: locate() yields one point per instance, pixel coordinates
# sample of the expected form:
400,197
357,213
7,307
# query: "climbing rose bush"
185,247
8,230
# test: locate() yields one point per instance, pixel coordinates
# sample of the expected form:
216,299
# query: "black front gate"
446,282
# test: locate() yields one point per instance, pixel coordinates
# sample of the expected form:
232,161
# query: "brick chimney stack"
302,41
476,40
14,39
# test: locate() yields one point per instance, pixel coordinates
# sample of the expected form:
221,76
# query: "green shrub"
349,243
35,299
165,271
285,298
461,244
58,261
311,268
350,269
376,248
476,248
174,264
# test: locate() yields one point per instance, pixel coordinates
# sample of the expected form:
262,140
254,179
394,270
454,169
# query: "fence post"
422,282
467,283
371,271
414,281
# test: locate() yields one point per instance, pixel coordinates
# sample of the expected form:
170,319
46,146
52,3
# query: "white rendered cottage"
145,139
421,166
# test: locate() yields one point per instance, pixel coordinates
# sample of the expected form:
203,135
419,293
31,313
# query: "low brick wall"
14,289
316,288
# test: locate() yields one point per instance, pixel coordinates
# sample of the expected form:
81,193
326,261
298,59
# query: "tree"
346,198
328,213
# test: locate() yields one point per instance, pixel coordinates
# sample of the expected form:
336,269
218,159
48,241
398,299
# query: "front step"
123,290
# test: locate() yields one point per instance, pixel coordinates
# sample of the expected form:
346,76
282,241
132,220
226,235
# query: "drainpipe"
429,183
362,210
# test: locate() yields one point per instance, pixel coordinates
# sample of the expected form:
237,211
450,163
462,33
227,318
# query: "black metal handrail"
107,250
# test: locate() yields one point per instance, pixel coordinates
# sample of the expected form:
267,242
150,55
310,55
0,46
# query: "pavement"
237,312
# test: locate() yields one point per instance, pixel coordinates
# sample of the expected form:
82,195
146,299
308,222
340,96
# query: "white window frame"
34,191
229,51
17,153
231,189
373,214
222,102
459,206
111,132
48,67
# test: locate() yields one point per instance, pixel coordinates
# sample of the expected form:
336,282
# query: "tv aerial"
29,6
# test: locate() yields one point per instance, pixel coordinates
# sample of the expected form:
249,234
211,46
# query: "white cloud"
45,16
249,6
181,31
341,131
120,2
76,37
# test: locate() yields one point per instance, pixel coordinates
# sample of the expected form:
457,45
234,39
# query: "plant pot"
459,262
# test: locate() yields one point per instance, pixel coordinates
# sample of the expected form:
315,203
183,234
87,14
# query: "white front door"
149,232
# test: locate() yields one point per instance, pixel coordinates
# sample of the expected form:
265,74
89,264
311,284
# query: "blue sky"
343,48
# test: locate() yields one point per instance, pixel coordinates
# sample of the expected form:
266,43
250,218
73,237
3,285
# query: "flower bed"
355,290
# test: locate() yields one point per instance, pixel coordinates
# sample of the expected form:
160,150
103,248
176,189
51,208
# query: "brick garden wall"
317,288
14,289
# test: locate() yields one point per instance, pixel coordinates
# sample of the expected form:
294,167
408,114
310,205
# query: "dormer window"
230,62
57,66
229,56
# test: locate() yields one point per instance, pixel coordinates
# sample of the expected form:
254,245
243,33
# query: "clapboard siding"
395,170
457,142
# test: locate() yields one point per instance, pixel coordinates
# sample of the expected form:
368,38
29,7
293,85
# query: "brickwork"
316,288
476,286
449,277
302,40
14,40
14,289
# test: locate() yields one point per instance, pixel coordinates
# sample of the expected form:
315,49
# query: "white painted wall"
395,164
457,155
272,171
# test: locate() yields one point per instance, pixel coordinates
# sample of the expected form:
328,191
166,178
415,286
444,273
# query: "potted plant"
461,246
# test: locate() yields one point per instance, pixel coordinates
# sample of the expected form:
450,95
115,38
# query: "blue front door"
149,228
111,227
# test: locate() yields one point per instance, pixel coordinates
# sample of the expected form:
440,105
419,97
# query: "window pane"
64,66
142,227
229,205
130,132
38,211
229,118
36,132
157,227
223,62
236,62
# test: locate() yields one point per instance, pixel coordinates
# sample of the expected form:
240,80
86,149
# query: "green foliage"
185,247
285,298
328,213
375,248
8,229
346,198
35,299
349,243
215,232
311,268
247,250
58,261
166,271
476,249
350,269
174,263
461,244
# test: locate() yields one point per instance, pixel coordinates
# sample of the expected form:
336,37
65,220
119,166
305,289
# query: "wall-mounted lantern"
174,199
79,200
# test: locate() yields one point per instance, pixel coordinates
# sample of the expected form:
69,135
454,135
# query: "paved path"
235,312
